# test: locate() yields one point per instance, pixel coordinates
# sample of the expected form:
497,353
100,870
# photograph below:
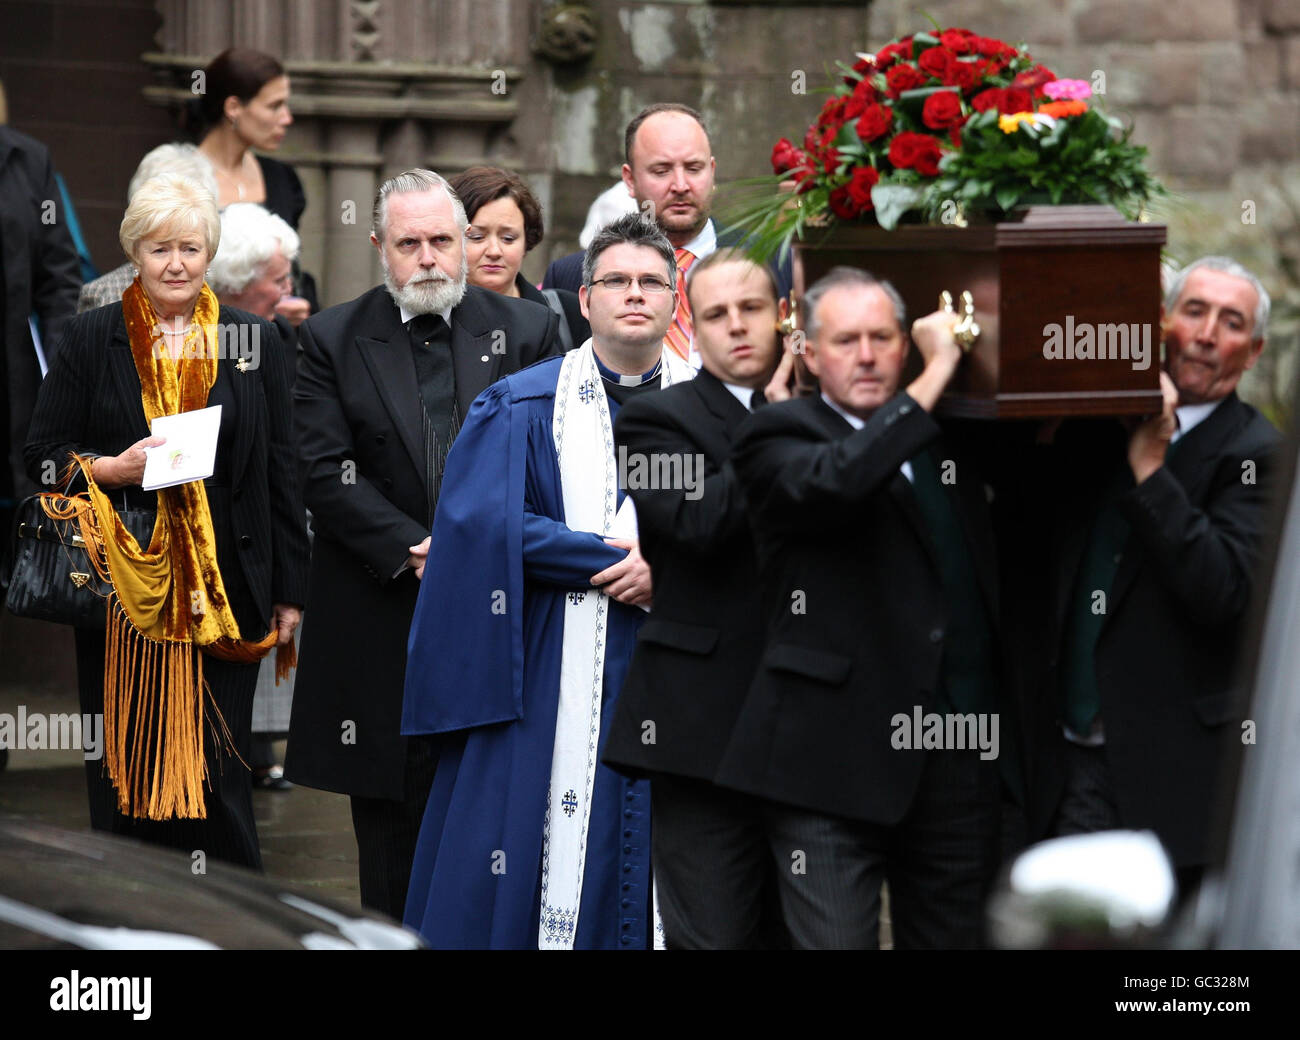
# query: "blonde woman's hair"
172,205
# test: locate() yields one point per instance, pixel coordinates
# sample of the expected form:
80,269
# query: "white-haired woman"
253,271
254,268
223,578
178,160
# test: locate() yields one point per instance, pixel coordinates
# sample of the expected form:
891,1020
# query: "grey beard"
427,297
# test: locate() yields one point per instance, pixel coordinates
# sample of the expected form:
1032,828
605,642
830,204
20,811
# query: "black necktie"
436,378
757,401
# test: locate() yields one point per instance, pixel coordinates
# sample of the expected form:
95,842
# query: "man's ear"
627,180
582,302
1256,348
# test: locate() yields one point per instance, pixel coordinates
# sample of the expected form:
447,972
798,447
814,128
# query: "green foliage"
1079,159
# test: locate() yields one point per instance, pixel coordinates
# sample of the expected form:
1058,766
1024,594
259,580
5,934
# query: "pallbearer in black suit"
1158,544
871,724
383,384
697,651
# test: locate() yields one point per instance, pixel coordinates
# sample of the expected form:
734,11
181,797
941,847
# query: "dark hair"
480,185
632,229
629,135
731,255
235,72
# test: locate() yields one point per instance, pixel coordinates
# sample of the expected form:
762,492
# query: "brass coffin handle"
967,330
786,326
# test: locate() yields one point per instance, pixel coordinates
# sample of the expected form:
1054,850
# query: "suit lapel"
241,389
973,515
121,364
723,406
388,357
900,488
476,363
1190,467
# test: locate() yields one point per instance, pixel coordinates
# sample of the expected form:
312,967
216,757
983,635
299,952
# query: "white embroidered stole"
584,444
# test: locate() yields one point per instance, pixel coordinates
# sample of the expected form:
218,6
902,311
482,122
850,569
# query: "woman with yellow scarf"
222,580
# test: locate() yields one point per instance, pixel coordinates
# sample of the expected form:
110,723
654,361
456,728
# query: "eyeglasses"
648,283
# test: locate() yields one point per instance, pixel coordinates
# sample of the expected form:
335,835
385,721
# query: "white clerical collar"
408,315
1190,415
743,394
619,378
705,242
857,424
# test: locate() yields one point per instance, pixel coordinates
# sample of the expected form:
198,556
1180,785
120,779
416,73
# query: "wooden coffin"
1067,299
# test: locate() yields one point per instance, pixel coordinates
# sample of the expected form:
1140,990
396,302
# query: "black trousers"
229,833
712,868
939,861
387,832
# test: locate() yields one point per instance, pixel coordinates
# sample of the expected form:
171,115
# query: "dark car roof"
82,889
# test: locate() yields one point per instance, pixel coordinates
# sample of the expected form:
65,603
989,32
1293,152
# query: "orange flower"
1058,109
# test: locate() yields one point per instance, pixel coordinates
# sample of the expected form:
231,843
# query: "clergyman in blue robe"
484,669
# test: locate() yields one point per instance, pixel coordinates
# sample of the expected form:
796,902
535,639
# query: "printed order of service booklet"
189,452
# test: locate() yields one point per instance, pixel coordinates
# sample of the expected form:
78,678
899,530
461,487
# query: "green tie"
967,675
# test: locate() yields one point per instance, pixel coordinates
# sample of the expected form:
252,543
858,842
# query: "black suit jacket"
579,327
696,652
1167,653
357,414
41,274
90,403
854,605
566,272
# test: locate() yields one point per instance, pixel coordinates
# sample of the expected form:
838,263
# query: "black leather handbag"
51,577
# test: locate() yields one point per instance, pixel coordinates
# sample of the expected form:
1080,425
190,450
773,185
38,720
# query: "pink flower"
1068,89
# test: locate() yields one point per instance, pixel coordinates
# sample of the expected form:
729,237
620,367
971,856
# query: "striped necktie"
679,332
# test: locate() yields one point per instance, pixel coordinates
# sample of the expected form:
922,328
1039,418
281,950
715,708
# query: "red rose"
833,112
875,122
991,48
842,205
942,110
936,62
863,68
919,152
1006,100
964,75
954,134
1033,79
786,157
864,178
865,92
901,78
892,52
959,41
830,160
1016,99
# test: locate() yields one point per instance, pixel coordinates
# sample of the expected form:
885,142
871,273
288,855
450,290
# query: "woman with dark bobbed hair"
245,107
505,222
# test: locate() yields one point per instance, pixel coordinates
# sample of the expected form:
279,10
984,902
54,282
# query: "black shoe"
271,779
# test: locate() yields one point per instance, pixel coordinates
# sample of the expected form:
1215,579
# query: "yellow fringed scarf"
168,601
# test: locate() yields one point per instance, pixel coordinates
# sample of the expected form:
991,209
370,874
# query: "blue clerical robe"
484,668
